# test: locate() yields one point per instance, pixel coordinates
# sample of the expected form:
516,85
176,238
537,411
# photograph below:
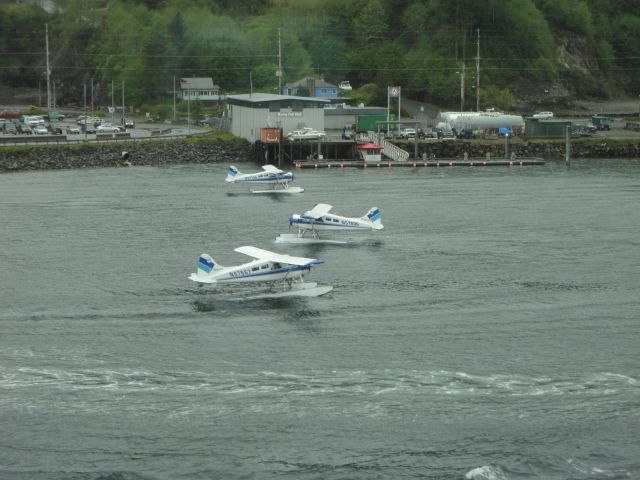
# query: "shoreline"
185,151
122,154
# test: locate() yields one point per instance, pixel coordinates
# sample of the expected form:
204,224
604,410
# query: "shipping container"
366,123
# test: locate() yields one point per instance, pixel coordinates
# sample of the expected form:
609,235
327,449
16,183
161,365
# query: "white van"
33,120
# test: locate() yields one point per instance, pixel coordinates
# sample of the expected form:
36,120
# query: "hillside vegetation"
539,51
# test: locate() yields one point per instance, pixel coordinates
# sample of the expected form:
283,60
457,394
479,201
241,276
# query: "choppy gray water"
490,331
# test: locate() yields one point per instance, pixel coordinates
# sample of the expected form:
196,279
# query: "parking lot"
71,130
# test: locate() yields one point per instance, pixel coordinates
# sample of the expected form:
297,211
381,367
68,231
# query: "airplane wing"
271,169
318,210
261,254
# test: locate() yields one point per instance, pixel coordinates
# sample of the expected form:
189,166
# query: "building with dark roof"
315,87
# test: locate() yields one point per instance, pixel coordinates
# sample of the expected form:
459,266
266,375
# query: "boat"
306,133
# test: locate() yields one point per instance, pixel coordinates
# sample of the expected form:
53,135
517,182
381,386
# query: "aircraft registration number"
240,273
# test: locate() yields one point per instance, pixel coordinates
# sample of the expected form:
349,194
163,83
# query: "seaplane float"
318,219
282,273
279,180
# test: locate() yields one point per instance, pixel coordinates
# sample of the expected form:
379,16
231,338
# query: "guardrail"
389,149
156,132
110,138
14,139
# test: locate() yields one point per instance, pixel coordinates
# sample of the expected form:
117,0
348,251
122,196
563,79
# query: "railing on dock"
389,149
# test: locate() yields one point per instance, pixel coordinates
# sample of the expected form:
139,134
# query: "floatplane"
284,273
270,175
318,219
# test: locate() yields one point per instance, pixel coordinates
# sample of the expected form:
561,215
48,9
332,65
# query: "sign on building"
270,135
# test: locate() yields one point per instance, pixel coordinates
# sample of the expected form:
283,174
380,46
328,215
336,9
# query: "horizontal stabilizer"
195,277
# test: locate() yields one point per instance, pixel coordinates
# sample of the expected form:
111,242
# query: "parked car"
543,115
464,134
601,122
128,123
33,120
55,116
428,133
445,133
348,132
209,122
107,128
54,129
9,128
24,129
73,130
95,121
88,128
581,131
407,133
40,130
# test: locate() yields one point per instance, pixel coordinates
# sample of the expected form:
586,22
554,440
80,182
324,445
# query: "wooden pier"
344,154
441,163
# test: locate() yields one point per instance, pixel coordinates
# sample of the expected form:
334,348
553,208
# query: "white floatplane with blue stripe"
270,175
318,219
283,272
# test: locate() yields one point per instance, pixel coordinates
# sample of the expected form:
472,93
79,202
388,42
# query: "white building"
199,88
252,111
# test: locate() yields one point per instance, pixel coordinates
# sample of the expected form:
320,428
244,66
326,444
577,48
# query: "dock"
316,164
345,154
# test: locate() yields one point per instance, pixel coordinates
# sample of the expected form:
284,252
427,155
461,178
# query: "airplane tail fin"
374,216
232,172
205,266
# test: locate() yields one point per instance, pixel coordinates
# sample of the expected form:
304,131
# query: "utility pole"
123,115
84,96
174,98
462,89
113,102
46,27
188,112
279,72
478,73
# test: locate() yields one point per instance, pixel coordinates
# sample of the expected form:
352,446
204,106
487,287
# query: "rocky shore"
546,150
149,153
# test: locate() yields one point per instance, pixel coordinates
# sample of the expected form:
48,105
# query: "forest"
573,48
